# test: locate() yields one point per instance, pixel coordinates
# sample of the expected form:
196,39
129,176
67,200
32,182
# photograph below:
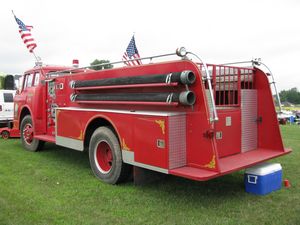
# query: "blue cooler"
263,178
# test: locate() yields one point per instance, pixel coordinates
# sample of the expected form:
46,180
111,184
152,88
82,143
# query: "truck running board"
47,138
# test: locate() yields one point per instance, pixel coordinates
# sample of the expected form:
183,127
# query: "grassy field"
286,108
56,186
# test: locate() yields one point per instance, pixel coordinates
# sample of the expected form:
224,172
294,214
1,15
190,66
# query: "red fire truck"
180,117
6,132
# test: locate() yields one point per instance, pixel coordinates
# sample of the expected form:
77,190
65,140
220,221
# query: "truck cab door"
38,103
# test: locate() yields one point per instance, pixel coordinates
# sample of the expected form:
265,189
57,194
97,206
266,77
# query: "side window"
25,81
21,79
29,80
8,97
36,79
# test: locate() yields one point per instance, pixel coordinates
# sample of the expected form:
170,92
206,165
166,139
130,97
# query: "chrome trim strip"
128,157
70,143
150,113
110,63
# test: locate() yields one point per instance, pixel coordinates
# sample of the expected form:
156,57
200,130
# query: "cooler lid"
264,168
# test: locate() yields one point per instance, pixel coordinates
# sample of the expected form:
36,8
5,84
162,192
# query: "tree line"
101,64
292,95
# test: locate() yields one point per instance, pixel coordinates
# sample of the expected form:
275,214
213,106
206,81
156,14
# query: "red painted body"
6,133
171,138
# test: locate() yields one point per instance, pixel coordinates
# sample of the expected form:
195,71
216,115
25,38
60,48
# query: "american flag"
132,53
25,32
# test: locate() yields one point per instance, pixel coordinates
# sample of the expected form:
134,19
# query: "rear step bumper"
229,164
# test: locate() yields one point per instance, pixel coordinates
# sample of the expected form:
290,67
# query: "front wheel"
106,158
5,134
27,136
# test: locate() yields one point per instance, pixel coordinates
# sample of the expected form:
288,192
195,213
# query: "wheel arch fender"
96,122
25,110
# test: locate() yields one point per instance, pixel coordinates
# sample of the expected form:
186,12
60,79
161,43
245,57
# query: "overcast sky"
219,31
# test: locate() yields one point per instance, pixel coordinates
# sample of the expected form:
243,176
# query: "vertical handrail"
214,74
208,78
257,63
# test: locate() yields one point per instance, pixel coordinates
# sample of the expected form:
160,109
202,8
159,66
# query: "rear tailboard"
229,164
247,132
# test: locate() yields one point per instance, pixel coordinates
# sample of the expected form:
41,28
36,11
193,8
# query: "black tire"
106,157
33,144
5,134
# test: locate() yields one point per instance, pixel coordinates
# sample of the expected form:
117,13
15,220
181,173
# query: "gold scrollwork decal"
80,135
212,163
161,123
124,146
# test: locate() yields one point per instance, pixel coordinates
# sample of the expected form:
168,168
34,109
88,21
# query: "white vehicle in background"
284,114
6,106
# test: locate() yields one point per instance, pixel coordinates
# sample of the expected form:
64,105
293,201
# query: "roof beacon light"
181,51
75,63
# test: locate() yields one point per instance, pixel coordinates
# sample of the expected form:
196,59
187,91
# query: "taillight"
0,108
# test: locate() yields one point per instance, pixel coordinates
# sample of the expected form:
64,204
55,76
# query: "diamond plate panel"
177,141
249,117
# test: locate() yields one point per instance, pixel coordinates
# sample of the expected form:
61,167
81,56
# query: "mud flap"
144,176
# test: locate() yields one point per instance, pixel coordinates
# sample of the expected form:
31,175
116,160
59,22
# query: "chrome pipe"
215,115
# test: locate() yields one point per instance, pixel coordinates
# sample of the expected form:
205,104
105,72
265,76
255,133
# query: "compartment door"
228,132
150,143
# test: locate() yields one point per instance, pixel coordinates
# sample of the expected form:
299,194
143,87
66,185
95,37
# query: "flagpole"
37,59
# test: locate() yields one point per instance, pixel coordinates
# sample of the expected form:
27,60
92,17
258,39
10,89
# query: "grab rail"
256,63
214,118
109,63
181,52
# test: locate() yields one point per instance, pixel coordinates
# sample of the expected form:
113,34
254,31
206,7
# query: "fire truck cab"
180,117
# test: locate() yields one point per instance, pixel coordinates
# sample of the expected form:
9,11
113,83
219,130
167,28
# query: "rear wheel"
27,136
106,158
5,134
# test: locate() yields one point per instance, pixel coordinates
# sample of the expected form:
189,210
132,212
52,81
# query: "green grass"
56,186
289,108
